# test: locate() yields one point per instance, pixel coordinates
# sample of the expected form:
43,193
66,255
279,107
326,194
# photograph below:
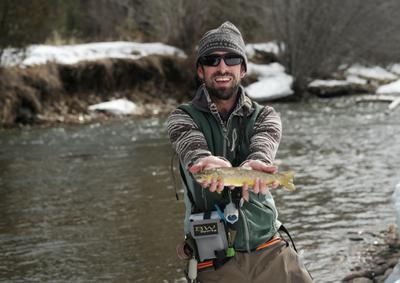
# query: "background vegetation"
317,36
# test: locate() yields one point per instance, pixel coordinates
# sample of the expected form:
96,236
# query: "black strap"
219,262
220,254
189,193
283,228
173,173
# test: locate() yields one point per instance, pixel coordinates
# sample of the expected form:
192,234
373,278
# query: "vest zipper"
214,112
203,194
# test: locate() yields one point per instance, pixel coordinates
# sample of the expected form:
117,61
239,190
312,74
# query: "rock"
379,279
360,274
356,239
380,260
392,262
361,280
330,88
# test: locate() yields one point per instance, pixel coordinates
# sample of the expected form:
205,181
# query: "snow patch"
376,72
395,68
356,80
328,83
72,54
272,82
270,47
393,87
116,107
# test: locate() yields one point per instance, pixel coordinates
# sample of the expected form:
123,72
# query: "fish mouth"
198,177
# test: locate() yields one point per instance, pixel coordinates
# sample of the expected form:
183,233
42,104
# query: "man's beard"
223,93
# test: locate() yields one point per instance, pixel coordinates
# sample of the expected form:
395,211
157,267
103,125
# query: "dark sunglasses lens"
211,60
233,60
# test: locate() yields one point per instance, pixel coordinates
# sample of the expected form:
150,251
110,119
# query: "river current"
96,203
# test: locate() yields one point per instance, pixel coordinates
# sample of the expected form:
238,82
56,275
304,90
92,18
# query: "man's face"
222,81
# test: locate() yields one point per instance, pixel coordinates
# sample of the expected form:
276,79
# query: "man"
222,127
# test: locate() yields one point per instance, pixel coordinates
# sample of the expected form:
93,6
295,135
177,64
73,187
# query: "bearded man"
223,127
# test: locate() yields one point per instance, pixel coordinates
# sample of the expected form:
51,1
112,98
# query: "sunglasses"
230,59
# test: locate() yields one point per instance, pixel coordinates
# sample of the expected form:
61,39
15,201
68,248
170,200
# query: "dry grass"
51,89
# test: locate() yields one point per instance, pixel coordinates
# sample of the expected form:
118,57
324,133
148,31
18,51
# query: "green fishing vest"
258,217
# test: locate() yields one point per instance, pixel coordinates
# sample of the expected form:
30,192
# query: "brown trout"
237,176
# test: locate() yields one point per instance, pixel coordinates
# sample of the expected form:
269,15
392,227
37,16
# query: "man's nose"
222,66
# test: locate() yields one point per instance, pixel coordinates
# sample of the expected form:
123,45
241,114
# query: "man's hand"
210,162
259,185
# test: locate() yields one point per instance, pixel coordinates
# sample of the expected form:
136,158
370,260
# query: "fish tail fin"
286,180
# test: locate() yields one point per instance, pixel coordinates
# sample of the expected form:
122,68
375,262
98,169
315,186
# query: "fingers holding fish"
220,187
260,187
208,162
213,185
260,166
256,186
245,192
275,185
263,188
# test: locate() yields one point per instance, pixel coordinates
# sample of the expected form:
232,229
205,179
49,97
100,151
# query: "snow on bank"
116,107
375,73
351,79
270,47
71,54
272,82
393,87
328,83
395,69
358,74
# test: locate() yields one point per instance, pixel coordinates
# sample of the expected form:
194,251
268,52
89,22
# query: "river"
96,203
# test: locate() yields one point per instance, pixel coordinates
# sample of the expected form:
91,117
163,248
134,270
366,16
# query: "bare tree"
318,36
183,22
23,22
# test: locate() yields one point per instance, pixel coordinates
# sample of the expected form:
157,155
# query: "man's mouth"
222,79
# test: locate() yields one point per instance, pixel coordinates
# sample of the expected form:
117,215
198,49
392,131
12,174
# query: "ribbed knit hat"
226,37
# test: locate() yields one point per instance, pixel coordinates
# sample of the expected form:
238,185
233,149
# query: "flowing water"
96,203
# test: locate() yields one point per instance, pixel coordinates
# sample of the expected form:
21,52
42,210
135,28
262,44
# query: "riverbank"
57,84
56,93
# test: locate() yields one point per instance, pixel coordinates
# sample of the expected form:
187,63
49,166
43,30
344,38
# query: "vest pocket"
260,219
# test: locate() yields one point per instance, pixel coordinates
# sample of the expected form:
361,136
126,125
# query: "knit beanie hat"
224,38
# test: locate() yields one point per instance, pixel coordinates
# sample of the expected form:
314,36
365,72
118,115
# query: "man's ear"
200,72
242,71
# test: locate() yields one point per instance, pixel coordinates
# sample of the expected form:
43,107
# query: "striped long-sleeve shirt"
190,144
